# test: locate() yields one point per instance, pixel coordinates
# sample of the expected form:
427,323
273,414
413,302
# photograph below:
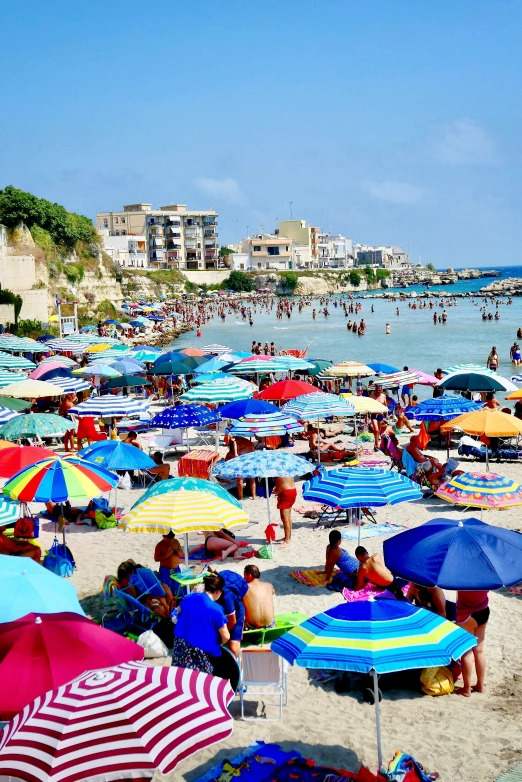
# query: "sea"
414,340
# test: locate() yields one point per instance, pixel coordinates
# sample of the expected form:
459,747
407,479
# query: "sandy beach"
465,739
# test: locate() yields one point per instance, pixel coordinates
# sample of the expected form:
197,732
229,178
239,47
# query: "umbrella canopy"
187,484
478,490
216,350
183,512
117,723
466,554
6,415
65,345
349,369
15,362
169,355
47,369
18,457
318,365
444,407
475,381
214,365
396,379
383,369
111,407
171,368
144,355
35,425
7,378
353,487
267,425
70,385
425,379
126,366
319,405
115,455
228,390
244,407
256,365
183,416
292,363
467,368
364,404
209,377
63,361
26,586
57,480
196,352
32,389
97,369
9,511
263,464
39,653
285,390
13,404
126,381
486,421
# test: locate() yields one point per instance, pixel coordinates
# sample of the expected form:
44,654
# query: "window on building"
257,248
272,250
105,223
286,248
123,221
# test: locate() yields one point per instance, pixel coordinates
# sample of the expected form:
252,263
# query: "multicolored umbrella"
444,407
40,653
374,636
58,480
26,586
292,363
110,406
349,369
18,457
285,390
186,484
266,425
35,425
117,723
479,490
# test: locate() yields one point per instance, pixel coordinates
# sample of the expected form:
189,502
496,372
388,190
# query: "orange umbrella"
491,423
193,352
515,394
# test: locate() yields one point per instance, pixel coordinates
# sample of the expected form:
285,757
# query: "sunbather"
373,569
338,557
258,601
220,542
431,466
162,469
161,605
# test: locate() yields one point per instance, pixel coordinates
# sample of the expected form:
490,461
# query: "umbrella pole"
377,717
487,458
318,443
116,500
187,559
358,522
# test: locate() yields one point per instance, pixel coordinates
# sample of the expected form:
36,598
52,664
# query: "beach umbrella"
292,363
468,368
169,355
112,354
398,379
35,425
18,457
13,404
136,324
32,389
70,385
115,723
318,406
110,406
364,404
194,361
184,416
226,390
9,512
285,390
40,653
65,345
383,369
97,369
256,366
518,393
215,350
144,356
171,368
127,366
425,379
244,407
209,377
126,381
100,347
15,362
349,369
114,455
209,367
374,637
444,407
475,381
266,425
47,370
63,361
488,422
263,464
6,415
187,484
26,587
478,490
318,365
7,378
196,352
58,480
467,554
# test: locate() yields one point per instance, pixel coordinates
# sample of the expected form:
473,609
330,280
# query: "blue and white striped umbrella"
266,425
65,361
360,487
442,407
70,384
183,416
312,407
263,464
111,406
66,346
9,511
7,361
6,414
216,350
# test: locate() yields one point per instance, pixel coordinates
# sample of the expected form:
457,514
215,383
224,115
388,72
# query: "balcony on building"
209,221
209,232
191,222
191,233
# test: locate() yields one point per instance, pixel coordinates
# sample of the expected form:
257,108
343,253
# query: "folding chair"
168,440
147,582
261,668
131,616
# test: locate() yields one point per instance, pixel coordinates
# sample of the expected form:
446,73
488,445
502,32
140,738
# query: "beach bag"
104,520
27,527
437,681
59,560
125,482
265,552
152,645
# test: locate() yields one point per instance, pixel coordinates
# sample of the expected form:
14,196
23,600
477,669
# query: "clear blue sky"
390,122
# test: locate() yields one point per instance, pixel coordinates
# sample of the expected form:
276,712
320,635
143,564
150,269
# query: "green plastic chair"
284,623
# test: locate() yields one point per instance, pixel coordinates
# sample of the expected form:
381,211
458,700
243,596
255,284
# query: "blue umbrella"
116,455
234,410
214,365
126,366
475,381
374,636
136,324
383,369
187,484
463,555
171,368
353,487
183,416
154,348
171,355
113,322
446,407
26,587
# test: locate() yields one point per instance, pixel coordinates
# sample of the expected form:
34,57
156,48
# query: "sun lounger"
284,622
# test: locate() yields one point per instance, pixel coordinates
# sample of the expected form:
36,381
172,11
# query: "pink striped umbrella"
116,723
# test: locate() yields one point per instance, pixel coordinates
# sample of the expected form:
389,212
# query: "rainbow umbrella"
57,480
481,490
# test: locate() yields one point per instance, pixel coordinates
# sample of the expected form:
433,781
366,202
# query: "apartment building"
305,236
175,237
264,251
387,257
130,252
335,251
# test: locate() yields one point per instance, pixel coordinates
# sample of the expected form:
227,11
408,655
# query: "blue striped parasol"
266,425
442,407
69,384
110,407
6,414
360,487
374,636
313,407
9,511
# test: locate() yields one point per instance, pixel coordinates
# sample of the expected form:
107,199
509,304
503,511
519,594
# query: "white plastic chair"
168,440
261,668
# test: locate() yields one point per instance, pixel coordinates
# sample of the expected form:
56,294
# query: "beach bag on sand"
104,520
437,681
26,527
59,560
265,552
152,645
125,482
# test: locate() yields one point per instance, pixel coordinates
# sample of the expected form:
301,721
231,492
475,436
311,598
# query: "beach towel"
409,463
200,554
404,768
312,578
258,763
370,591
371,531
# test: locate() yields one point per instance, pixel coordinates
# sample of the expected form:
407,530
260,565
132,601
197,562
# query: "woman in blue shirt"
201,628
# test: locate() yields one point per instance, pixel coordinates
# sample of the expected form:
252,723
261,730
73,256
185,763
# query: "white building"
272,252
130,252
386,257
335,251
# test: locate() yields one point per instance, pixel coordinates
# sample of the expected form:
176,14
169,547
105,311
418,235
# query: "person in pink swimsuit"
473,615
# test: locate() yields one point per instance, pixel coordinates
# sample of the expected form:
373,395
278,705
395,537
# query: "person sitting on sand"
162,469
433,469
162,606
258,601
312,434
473,615
222,543
169,554
373,569
338,557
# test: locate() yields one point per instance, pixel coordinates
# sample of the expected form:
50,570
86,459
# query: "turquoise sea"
414,340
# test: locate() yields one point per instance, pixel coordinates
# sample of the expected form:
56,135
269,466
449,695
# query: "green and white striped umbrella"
6,378
227,390
65,361
15,362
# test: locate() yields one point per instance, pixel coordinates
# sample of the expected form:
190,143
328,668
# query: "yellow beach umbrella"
98,348
32,389
349,369
364,404
53,319
515,394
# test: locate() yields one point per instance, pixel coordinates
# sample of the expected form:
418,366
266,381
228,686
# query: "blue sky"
393,123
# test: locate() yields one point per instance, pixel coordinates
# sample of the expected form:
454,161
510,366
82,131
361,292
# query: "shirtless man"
374,570
162,468
237,447
376,418
169,554
432,598
67,402
259,600
432,467
286,497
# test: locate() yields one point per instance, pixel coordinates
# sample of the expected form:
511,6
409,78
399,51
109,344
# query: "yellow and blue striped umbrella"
183,512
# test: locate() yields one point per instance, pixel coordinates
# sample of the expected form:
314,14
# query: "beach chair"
147,582
168,440
262,669
283,623
128,615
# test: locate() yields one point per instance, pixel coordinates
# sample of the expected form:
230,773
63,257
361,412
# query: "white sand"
465,739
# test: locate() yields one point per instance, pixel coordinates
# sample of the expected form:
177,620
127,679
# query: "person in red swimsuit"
286,497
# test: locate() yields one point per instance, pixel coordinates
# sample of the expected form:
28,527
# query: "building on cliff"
18,274
392,258
175,237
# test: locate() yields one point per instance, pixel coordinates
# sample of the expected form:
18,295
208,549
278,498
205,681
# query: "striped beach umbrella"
318,406
35,425
266,425
257,365
215,350
349,369
467,368
97,369
111,406
186,484
364,404
64,361
17,457
360,487
115,723
396,379
6,378
58,480
444,407
480,490
6,415
9,511
226,390
292,363
69,385
65,345
113,353
145,356
15,362
374,637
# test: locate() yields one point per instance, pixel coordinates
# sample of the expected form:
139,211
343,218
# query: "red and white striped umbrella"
116,723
